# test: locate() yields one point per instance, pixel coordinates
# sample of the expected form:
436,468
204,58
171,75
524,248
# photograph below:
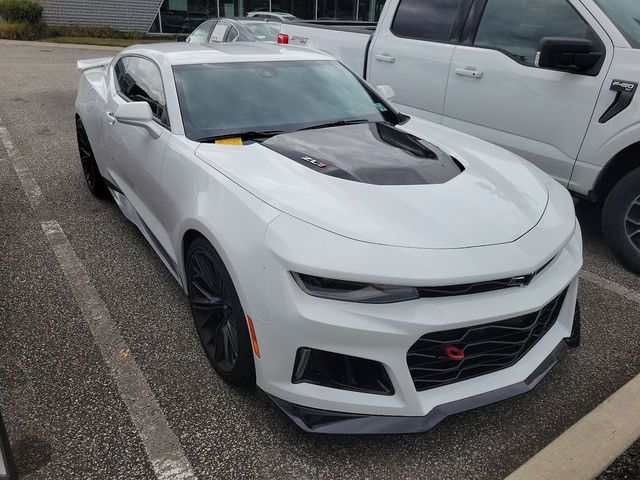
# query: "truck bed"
347,41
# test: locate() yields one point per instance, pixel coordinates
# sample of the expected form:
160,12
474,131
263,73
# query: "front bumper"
314,420
384,333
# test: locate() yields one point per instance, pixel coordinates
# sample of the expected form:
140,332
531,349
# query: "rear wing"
84,65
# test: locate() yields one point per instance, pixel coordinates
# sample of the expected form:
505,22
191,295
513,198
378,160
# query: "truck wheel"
621,220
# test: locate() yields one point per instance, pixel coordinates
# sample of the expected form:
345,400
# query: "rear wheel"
218,315
621,220
92,176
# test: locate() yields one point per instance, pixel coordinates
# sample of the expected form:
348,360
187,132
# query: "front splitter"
323,421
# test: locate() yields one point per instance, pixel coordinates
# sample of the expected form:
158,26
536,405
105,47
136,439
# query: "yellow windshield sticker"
229,141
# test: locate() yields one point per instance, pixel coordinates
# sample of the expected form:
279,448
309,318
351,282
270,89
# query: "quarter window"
426,19
517,26
139,80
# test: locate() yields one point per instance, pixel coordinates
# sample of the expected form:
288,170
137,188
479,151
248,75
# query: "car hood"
419,185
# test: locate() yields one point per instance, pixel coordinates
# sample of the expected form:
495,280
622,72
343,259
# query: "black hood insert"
373,153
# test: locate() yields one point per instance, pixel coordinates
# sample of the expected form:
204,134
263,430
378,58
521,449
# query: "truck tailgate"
347,43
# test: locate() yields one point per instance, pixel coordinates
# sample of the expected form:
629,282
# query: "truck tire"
621,220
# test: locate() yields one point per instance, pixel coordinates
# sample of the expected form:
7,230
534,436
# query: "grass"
106,42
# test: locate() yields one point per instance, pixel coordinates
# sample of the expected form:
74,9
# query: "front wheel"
218,315
621,220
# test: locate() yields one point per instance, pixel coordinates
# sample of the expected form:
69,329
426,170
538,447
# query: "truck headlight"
347,291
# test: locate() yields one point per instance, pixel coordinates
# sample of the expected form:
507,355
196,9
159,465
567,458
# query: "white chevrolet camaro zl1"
370,271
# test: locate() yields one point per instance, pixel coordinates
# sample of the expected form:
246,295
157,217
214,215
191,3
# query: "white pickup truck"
552,80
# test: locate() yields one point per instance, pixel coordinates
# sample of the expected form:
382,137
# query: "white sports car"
371,272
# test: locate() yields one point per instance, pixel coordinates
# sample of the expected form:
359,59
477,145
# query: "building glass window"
184,16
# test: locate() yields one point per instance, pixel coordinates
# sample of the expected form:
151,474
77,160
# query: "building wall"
119,14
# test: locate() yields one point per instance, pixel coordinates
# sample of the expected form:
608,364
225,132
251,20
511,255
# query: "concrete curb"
592,444
76,46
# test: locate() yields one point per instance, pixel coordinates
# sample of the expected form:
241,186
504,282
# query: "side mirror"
138,114
386,91
569,54
181,38
7,465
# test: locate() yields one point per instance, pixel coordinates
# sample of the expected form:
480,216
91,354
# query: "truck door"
497,91
412,51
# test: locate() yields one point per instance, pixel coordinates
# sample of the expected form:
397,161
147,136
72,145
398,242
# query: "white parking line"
29,184
163,448
610,286
592,444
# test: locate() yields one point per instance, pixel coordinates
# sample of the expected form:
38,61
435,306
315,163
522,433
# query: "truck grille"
436,359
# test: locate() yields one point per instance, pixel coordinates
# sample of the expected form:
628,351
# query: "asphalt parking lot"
64,413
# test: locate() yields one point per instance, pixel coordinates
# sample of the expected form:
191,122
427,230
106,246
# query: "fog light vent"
344,372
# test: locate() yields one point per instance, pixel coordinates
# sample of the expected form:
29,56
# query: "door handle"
110,117
385,58
469,72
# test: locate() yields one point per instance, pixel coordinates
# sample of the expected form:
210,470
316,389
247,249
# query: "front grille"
480,287
487,348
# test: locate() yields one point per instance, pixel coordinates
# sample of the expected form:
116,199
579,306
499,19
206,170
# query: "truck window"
432,20
517,26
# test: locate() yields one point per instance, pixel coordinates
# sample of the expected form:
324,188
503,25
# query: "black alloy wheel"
218,315
621,220
94,180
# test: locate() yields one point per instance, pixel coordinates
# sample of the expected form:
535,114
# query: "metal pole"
218,6
160,18
357,9
316,10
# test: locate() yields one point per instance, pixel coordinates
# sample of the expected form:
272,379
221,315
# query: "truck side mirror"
568,54
386,91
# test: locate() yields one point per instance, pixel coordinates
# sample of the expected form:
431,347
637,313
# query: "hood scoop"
372,153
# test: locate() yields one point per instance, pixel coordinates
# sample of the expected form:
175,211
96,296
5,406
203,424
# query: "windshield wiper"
336,123
248,135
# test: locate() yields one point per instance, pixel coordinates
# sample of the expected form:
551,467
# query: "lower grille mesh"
487,348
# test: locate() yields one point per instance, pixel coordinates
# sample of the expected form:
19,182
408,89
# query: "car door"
136,157
496,90
201,34
414,54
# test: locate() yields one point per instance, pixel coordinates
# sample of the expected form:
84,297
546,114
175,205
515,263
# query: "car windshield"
264,32
626,15
225,98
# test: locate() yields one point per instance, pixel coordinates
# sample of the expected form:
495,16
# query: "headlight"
353,291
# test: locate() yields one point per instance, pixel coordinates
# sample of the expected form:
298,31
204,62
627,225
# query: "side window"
219,31
426,20
232,34
517,26
200,34
139,80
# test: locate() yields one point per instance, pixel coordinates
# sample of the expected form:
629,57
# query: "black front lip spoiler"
323,421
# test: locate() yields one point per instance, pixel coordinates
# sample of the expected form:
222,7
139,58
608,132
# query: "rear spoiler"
84,65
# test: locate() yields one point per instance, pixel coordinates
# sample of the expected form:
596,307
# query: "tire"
92,175
218,315
621,220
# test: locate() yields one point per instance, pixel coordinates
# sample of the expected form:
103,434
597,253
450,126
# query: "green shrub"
20,11
22,31
101,32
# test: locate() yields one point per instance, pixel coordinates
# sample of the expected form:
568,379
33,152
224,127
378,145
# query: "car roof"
178,53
